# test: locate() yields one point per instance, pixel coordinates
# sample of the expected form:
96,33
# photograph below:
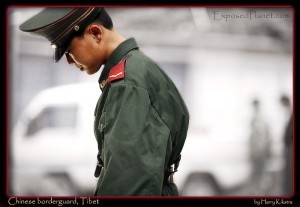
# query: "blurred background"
233,67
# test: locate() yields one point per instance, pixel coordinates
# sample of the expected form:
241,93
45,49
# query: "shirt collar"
116,57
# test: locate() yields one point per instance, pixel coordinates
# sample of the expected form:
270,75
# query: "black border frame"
141,201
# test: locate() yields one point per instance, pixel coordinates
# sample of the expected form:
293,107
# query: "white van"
53,145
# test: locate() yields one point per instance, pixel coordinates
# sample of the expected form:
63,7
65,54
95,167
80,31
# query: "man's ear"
96,31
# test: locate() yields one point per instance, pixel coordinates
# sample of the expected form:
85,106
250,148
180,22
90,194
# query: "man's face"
84,53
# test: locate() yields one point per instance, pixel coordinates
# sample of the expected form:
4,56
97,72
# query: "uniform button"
102,84
76,28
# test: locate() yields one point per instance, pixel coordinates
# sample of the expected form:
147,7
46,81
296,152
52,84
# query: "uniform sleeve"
134,144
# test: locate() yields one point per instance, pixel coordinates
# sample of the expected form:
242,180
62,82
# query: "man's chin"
90,72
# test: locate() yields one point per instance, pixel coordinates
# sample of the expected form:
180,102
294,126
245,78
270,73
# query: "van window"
53,117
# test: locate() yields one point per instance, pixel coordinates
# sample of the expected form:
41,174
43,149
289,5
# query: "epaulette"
117,72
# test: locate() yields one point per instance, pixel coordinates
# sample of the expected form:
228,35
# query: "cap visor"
58,53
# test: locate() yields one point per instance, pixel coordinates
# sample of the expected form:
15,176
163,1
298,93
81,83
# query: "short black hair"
284,99
255,102
102,18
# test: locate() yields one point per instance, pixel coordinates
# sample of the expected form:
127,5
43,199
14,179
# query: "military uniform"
140,124
141,120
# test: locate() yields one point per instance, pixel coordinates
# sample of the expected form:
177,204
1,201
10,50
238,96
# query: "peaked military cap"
59,25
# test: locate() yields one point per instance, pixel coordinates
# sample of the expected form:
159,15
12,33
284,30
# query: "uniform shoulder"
139,68
139,59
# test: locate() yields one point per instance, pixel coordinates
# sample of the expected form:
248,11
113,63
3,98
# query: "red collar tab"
117,72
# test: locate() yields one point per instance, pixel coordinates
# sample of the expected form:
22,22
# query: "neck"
114,39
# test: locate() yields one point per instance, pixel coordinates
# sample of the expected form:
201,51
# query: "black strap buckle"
177,162
98,166
169,175
170,171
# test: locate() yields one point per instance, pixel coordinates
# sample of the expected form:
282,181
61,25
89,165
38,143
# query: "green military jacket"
140,125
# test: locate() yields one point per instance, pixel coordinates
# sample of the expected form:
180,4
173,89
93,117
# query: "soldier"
288,146
260,148
141,121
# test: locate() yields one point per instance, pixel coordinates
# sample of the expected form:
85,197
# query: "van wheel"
200,185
